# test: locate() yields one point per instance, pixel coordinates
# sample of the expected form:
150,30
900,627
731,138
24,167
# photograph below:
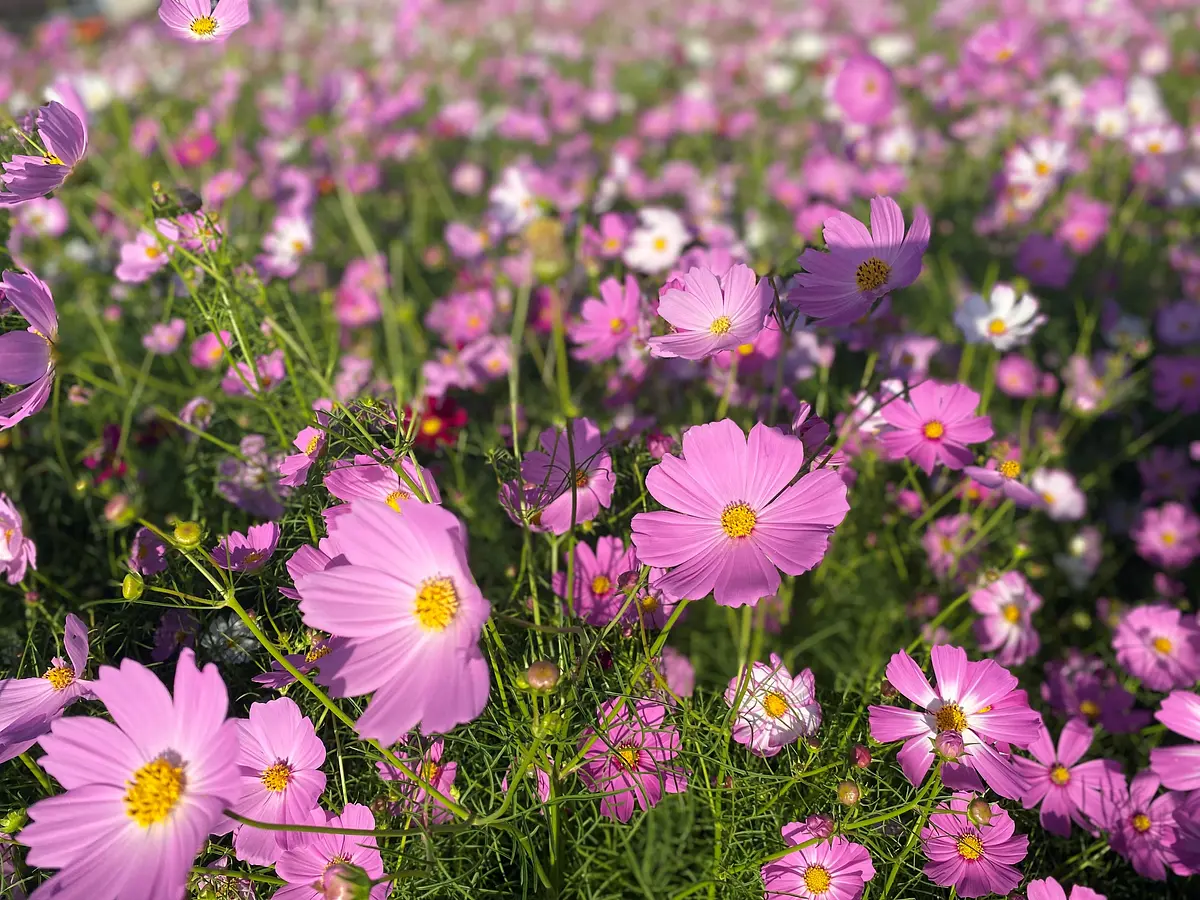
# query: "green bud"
979,811
848,793
552,723
187,535
132,586
13,821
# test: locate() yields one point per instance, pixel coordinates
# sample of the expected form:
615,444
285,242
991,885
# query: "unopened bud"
979,811
604,658
819,825
117,510
848,793
860,756
550,724
132,586
542,675
949,745
887,690
187,535
627,580
345,882
13,821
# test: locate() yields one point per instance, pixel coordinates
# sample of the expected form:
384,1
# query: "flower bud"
131,587
860,756
345,882
551,723
13,821
627,580
886,690
848,793
979,811
187,535
604,658
949,745
659,444
819,825
117,510
542,675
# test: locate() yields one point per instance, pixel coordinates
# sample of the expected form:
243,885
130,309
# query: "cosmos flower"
17,552
655,245
630,757
319,867
415,799
293,469
831,869
976,859
1006,606
1064,501
1178,767
579,491
279,765
1083,686
64,136
208,350
1158,645
1005,475
1066,789
775,709
978,700
199,20
864,90
367,478
1142,827
597,598
27,357
935,424
142,795
1049,889
861,266
708,314
1168,536
147,553
247,552
1003,319
734,517
608,324
412,629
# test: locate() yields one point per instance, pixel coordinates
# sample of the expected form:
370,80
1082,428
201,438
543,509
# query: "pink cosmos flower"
64,135
1179,767
147,553
630,758
934,425
1067,790
608,324
861,266
1176,383
293,469
28,706
208,349
164,337
176,629
1004,474
775,709
735,519
978,700
1049,889
832,869
944,542
415,800
1083,686
318,867
247,552
708,314
1158,645
27,357
1142,827
864,90
580,491
267,373
412,628
597,597
367,478
1168,536
279,763
1006,629
199,20
17,552
976,859
147,253
142,795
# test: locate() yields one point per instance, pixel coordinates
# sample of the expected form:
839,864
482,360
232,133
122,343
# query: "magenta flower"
1168,536
1158,645
1067,790
775,709
27,357
934,425
176,629
266,374
147,253
28,706
17,552
64,135
416,800
412,627
1006,628
708,314
1049,889
1176,383
945,541
1142,827
279,762
164,337
293,469
1083,686
1004,474
308,661
367,478
247,552
1179,767
208,350
629,757
597,598
978,700
142,795
832,869
976,859
735,519
861,266
864,90
608,324
580,492
318,867
147,553
199,20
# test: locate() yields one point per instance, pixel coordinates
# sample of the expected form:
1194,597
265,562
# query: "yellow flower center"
429,771
720,325
872,274
431,426
933,430
970,847
1042,168
1168,538
611,244
775,705
1155,147
616,325
997,327
153,253
311,447
473,321
660,244
154,791
316,653
436,604
1059,775
627,757
1010,468
601,584
1004,55
1011,613
298,246
1162,645
1089,708
60,677
816,879
1048,498
950,718
581,478
745,349
648,602
1140,823
277,777
738,520
204,26
394,498
53,160
254,556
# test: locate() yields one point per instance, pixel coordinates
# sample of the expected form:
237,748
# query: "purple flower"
176,629
1179,767
1082,686
316,869
1176,383
976,859
1006,629
1004,474
830,869
294,468
251,483
17,552
1167,474
247,552
864,90
147,553
27,357
164,338
944,541
1158,645
708,314
629,757
608,324
367,478
209,349
65,137
580,492
1067,790
147,253
935,423
265,375
1168,536
306,662
1142,827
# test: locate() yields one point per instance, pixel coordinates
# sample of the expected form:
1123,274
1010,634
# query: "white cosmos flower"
1003,320
655,245
513,205
1065,502
1040,161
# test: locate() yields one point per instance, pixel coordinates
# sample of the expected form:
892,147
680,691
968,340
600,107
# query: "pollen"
872,274
1162,645
648,603
660,244
1060,775
745,349
950,718
60,677
316,652
738,520
581,478
720,325
601,585
204,26
970,847
154,792
1010,468
1141,823
775,705
997,327
53,160
1042,168
627,757
311,447
817,879
436,604
153,253
277,777
933,430
1168,538
616,325
1011,613
1089,708
393,499
431,426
